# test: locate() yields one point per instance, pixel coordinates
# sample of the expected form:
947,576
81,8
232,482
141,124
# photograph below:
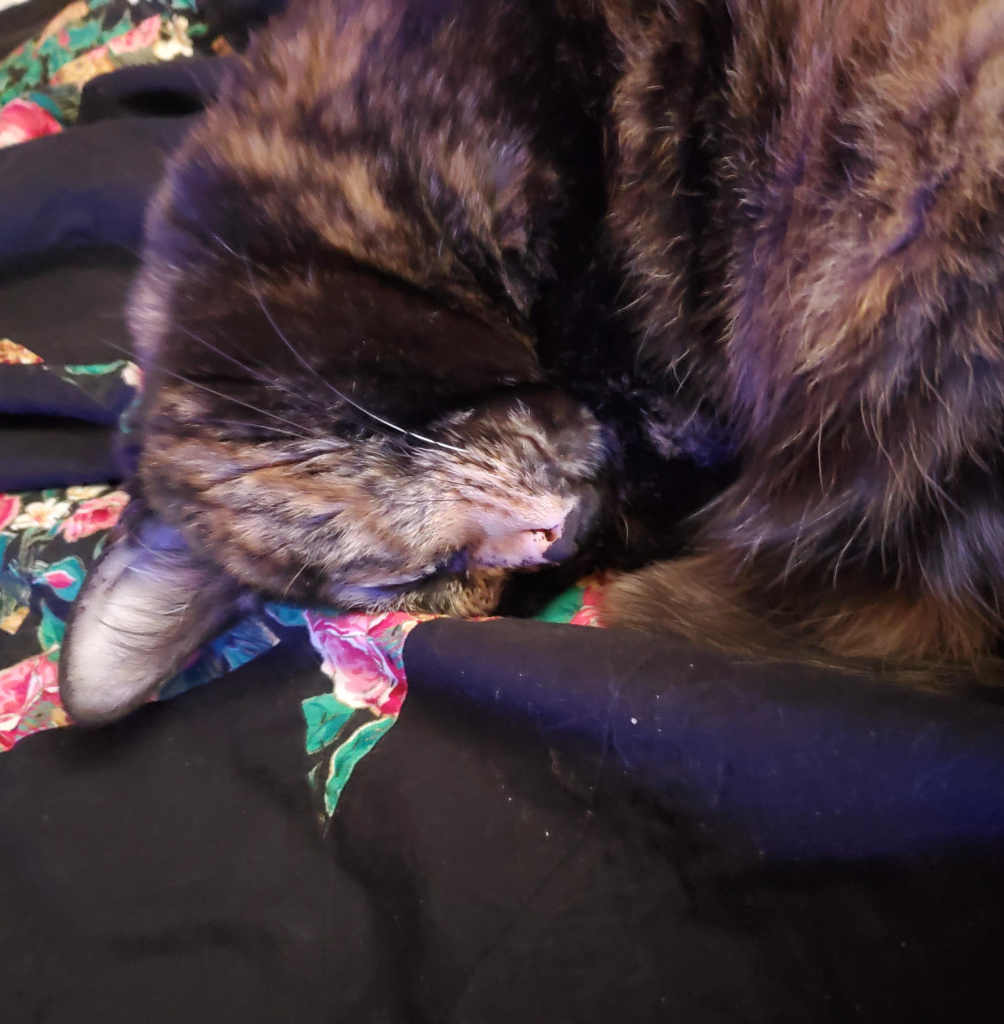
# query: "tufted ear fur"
147,604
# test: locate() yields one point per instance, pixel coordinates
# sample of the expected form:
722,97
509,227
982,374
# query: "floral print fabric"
363,656
47,540
41,81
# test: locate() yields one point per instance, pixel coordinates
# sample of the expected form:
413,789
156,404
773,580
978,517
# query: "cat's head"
331,437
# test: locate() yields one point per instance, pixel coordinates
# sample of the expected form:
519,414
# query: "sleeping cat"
363,392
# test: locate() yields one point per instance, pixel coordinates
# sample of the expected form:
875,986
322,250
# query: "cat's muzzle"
549,543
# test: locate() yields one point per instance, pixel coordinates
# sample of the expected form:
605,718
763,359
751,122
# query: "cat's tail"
711,601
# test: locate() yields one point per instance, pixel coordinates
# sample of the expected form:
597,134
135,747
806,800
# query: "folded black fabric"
171,89
35,390
72,209
174,873
52,452
85,187
788,762
68,310
483,866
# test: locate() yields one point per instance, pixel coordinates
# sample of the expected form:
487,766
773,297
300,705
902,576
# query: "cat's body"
811,199
359,374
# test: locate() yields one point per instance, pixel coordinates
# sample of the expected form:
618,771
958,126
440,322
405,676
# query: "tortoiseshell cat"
362,390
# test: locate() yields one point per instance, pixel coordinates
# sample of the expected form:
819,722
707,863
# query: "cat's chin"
464,595
459,586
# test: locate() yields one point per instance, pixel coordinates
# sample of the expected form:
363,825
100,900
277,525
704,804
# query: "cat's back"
810,197
782,166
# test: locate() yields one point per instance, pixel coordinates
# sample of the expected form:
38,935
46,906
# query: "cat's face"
359,519
341,441
353,442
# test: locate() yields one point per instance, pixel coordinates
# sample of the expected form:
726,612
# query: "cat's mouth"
541,545
518,549
522,549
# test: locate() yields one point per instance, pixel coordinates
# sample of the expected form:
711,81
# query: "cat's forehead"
408,355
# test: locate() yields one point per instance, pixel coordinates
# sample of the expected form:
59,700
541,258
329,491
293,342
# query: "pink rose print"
21,686
58,578
10,508
21,120
363,675
590,614
142,37
94,515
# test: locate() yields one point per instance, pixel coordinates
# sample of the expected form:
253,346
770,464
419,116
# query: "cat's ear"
146,605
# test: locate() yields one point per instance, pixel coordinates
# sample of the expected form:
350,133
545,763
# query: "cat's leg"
711,600
881,539
147,604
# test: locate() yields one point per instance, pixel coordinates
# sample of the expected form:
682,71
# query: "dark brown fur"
366,189
345,404
833,170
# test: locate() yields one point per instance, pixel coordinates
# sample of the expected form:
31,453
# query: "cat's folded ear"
146,605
